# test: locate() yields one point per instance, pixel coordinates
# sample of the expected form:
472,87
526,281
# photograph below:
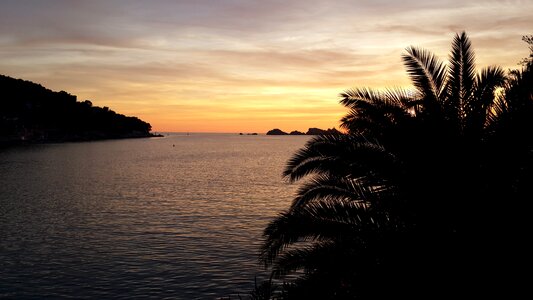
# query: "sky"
238,65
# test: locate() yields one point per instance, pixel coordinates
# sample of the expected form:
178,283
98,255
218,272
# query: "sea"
173,217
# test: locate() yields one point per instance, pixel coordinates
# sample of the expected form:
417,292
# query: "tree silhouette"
31,112
424,186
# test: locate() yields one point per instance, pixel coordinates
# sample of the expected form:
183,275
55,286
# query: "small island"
276,131
296,132
31,113
310,131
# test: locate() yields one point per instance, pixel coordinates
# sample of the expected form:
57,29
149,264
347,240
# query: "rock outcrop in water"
30,112
276,131
318,131
296,132
310,131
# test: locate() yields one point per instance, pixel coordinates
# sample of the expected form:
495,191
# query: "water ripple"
139,219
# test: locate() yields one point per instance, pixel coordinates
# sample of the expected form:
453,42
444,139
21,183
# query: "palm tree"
340,231
413,189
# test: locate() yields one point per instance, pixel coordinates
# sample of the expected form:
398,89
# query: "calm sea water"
178,217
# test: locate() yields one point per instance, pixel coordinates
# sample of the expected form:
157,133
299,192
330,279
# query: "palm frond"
512,111
498,110
319,222
319,155
468,67
332,189
427,73
350,98
487,82
356,122
484,100
334,258
461,79
402,97
307,258
336,154
373,111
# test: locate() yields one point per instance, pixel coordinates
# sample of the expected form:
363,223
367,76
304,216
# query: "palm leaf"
338,257
319,222
337,154
461,79
484,100
371,110
350,98
334,189
428,75
319,155
308,258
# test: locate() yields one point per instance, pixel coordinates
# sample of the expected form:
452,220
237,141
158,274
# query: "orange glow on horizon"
241,66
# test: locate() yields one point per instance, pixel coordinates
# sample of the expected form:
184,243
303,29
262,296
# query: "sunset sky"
241,65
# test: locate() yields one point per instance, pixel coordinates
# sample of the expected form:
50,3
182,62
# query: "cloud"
264,58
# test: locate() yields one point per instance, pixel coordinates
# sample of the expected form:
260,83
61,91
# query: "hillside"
30,112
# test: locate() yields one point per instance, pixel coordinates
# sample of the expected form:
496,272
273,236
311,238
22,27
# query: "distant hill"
33,113
310,131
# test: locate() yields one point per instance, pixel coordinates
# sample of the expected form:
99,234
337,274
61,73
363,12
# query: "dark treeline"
426,196
30,112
